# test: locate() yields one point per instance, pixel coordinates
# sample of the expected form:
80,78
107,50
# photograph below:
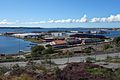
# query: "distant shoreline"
53,28
21,28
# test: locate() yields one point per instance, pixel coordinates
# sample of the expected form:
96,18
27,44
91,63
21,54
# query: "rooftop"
58,42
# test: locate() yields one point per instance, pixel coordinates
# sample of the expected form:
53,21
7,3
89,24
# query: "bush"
17,70
49,50
90,59
117,73
116,41
48,45
107,46
36,51
3,70
88,50
23,77
28,56
11,60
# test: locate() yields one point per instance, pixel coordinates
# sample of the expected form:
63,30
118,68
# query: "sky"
60,13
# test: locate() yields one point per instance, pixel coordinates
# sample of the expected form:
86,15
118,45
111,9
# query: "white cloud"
84,19
5,22
51,21
81,20
95,19
60,21
39,22
112,18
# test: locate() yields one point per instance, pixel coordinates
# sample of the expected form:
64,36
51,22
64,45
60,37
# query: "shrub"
49,50
36,51
3,70
90,59
107,46
88,50
116,41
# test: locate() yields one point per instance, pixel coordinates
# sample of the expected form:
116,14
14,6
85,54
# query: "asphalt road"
62,61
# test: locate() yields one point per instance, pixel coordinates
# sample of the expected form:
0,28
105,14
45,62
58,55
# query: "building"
58,43
2,56
62,34
50,39
27,35
88,36
90,40
57,34
72,41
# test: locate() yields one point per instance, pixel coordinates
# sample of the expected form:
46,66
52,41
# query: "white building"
23,35
58,34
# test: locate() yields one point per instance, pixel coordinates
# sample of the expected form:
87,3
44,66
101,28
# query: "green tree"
49,50
48,45
36,51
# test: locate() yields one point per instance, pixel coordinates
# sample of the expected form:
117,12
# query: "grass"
95,71
35,40
11,60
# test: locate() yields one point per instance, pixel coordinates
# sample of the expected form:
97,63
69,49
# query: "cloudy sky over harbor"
60,13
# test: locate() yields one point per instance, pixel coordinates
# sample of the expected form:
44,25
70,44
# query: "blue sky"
60,13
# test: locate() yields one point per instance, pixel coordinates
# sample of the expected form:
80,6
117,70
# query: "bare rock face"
7,73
